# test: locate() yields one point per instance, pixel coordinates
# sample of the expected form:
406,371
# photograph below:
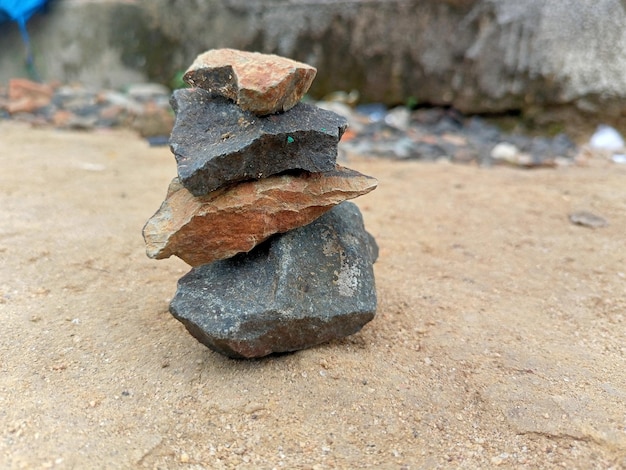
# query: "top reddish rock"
260,83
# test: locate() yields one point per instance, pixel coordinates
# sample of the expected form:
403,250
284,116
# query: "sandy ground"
499,339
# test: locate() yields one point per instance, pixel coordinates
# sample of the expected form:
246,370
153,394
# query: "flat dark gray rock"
216,143
294,291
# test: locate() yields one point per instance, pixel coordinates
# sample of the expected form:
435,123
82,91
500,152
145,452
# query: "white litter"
607,138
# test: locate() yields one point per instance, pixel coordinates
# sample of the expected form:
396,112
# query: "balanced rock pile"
280,261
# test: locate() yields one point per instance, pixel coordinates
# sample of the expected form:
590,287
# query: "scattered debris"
373,130
143,107
437,133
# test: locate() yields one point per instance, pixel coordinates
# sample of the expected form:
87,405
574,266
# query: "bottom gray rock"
294,291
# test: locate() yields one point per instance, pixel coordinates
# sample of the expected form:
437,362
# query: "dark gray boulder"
216,143
294,291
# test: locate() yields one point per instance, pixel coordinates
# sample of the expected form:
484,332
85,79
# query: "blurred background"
549,66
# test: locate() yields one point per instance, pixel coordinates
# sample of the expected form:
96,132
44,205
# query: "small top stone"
261,83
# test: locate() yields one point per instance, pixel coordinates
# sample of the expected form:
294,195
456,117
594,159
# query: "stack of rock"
280,261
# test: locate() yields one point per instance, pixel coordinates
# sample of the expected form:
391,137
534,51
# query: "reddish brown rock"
235,219
26,96
260,83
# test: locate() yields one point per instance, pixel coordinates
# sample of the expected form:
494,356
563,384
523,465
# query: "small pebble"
587,219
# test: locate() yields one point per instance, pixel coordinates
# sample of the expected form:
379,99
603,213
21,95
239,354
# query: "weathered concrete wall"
377,47
99,42
478,55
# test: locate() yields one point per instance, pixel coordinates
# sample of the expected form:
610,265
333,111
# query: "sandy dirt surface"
500,337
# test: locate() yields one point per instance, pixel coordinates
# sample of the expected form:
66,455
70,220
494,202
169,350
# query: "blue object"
20,11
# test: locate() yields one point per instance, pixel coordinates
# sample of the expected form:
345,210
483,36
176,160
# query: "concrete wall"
477,55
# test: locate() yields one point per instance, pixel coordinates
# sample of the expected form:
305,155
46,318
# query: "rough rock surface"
228,221
299,289
260,83
216,143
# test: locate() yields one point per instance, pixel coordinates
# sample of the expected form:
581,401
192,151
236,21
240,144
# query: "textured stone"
232,220
259,83
299,289
216,143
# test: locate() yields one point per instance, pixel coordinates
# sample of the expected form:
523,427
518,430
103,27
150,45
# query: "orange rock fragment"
235,219
26,96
